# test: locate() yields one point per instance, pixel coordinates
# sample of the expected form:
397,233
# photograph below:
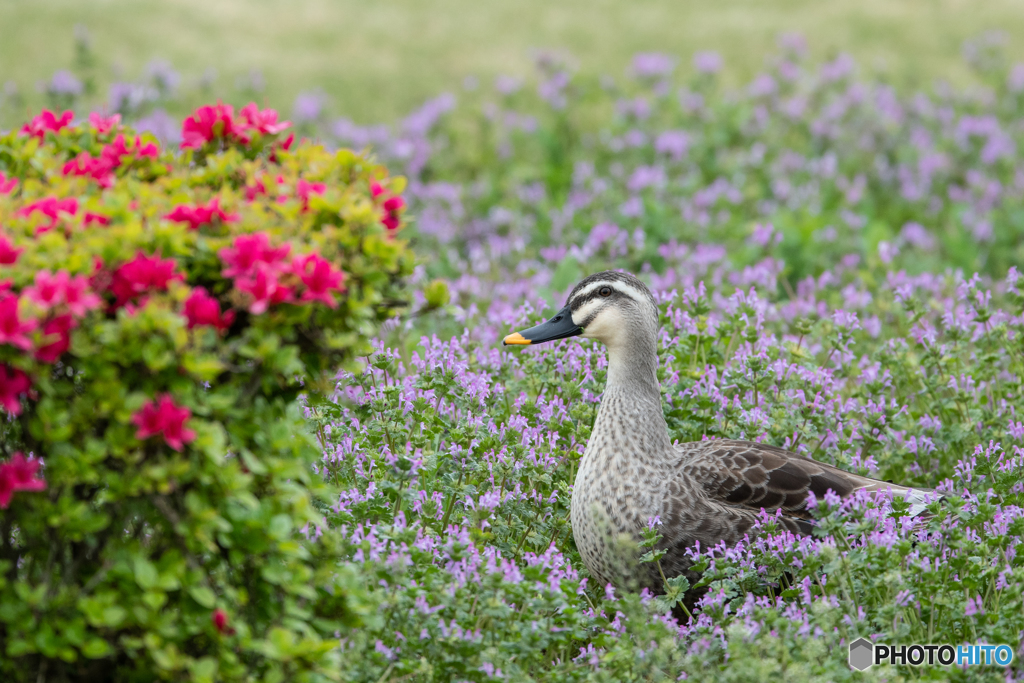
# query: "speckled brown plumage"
703,492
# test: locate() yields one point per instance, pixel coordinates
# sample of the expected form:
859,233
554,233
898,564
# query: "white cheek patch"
608,327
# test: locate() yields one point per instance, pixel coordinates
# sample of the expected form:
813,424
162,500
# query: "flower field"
836,261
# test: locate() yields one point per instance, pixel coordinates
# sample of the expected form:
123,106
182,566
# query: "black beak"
559,327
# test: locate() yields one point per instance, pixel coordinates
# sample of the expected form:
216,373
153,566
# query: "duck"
632,475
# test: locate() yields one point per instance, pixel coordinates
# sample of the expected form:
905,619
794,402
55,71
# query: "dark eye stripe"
580,300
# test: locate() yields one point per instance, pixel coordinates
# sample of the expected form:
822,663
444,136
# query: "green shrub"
159,316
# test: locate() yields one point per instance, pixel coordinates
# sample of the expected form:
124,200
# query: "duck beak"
559,327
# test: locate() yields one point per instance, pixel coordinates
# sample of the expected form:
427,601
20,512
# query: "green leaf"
146,574
96,648
203,595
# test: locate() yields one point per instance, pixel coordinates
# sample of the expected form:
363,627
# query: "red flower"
57,335
13,385
52,208
12,330
220,620
263,121
50,291
210,123
150,149
116,151
203,309
97,218
285,145
255,190
392,207
7,185
250,250
8,252
101,169
104,125
199,215
162,416
79,298
264,289
141,275
304,190
320,278
18,475
46,121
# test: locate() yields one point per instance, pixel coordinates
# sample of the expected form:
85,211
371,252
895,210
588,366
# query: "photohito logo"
865,654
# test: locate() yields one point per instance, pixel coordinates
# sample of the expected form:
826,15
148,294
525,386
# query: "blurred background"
373,62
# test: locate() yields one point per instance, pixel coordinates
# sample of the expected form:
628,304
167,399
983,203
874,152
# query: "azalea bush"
160,312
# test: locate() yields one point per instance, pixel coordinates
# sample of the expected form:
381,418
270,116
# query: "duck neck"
633,368
631,407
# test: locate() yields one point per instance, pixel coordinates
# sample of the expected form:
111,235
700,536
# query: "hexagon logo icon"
862,654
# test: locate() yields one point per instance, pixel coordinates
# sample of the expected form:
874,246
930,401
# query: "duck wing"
756,475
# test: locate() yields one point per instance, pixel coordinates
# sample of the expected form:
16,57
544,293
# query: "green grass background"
378,59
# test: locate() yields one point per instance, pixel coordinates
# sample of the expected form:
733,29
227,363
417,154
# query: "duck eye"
605,291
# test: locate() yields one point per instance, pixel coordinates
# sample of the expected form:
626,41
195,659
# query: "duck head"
612,307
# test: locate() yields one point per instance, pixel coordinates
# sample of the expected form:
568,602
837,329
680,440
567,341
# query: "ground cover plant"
835,261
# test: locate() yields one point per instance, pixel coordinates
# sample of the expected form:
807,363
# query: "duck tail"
919,499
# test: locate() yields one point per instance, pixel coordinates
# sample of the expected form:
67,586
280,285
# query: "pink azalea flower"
56,338
13,385
210,123
79,297
264,289
50,291
250,250
150,149
304,190
263,121
100,169
7,185
203,309
163,416
199,214
104,125
97,218
12,329
118,152
391,218
285,145
52,208
255,190
115,152
320,278
141,275
19,474
392,206
47,121
220,620
8,252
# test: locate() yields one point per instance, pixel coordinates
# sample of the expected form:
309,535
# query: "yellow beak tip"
515,339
